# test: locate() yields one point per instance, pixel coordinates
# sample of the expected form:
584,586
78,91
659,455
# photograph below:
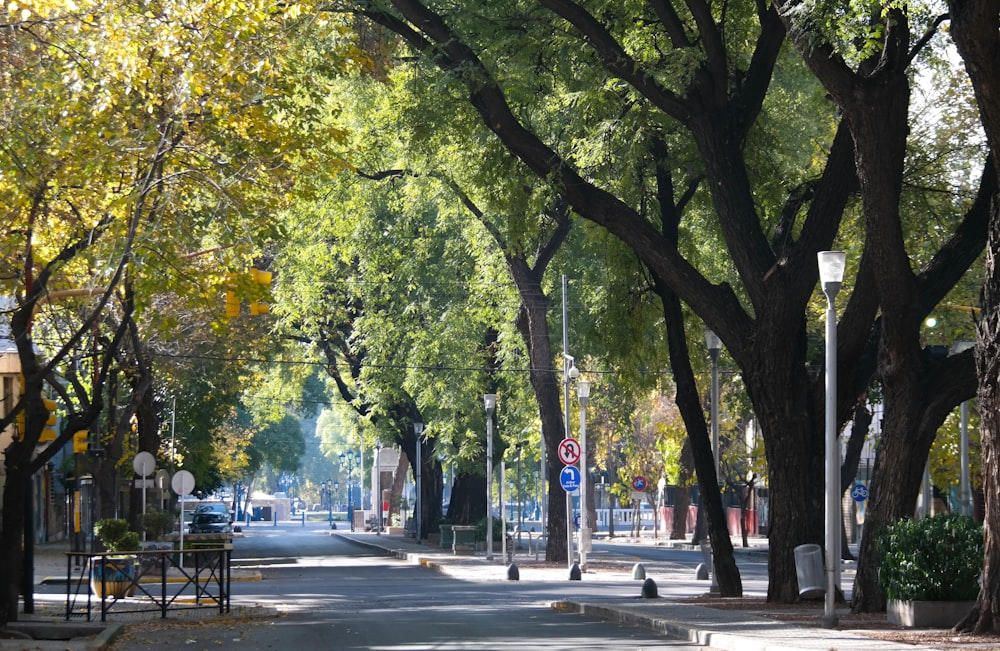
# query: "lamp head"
831,266
583,391
418,428
490,401
831,271
343,458
712,341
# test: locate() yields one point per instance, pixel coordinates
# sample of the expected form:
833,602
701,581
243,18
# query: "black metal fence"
150,581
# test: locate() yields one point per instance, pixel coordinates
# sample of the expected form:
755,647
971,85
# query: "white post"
831,271
714,346
583,395
965,494
490,400
569,372
418,429
503,510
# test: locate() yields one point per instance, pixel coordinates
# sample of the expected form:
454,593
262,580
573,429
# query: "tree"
872,88
129,140
976,34
719,106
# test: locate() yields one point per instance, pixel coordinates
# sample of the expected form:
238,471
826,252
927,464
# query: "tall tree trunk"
468,499
976,31
682,495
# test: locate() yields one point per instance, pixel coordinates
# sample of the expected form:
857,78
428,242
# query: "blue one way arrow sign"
569,479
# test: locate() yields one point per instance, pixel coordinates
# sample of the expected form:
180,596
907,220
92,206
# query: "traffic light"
80,441
49,433
232,301
263,278
244,284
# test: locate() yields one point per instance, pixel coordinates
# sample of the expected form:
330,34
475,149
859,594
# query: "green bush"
157,523
931,559
115,535
497,529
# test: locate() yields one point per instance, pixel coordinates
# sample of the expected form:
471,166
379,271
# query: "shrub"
157,523
115,535
497,529
931,559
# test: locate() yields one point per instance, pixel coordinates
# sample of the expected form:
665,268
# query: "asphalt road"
332,594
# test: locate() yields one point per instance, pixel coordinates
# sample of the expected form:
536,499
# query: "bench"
463,538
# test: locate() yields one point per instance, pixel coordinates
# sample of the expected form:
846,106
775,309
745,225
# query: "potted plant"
114,574
930,569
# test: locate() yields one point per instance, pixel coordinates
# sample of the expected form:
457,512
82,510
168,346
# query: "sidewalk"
724,629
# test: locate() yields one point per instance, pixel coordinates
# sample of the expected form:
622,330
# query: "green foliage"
116,536
481,529
157,523
931,559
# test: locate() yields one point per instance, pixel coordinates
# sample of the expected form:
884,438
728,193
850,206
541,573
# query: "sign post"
144,464
183,483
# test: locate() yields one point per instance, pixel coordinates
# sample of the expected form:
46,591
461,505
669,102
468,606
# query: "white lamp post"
831,275
583,395
714,345
418,429
965,491
377,497
490,400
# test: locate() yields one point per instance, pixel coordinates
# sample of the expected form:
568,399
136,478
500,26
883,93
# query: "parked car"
215,508
211,522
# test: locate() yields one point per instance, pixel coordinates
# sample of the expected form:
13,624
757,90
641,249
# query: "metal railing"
149,581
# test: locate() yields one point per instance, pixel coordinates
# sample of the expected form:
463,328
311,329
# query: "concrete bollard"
513,574
574,573
638,572
649,590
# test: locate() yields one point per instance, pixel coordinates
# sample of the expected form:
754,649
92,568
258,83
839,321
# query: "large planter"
927,614
447,536
112,576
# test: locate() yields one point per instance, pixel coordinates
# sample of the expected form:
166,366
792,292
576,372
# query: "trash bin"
809,571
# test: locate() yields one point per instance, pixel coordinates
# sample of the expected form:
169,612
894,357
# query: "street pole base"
830,621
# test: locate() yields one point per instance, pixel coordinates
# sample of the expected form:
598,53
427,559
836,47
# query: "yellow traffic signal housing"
49,433
232,301
264,278
50,405
80,441
235,282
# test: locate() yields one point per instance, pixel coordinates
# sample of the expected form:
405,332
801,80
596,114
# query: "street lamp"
322,494
336,490
418,503
831,276
377,497
714,345
583,395
352,461
490,401
329,500
964,492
